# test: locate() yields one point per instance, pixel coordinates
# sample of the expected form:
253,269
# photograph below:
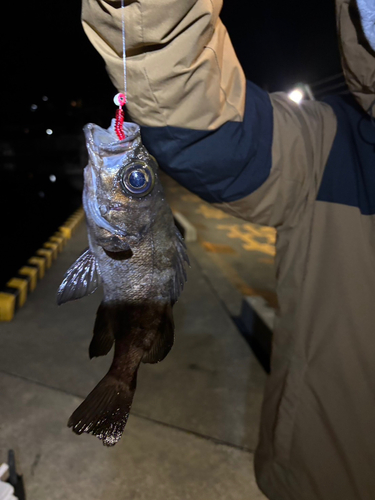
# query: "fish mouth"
104,142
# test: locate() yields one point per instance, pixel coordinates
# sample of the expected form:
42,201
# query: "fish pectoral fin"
104,336
164,338
81,279
105,411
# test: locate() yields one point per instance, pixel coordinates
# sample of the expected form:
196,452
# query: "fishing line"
120,99
123,43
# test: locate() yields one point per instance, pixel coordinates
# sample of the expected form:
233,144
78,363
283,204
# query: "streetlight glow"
296,95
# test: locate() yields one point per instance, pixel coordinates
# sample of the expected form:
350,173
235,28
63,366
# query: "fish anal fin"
103,336
105,411
164,338
81,279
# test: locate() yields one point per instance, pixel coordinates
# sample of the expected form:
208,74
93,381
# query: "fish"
137,254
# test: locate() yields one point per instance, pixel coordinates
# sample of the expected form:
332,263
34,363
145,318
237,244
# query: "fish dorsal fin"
181,260
81,279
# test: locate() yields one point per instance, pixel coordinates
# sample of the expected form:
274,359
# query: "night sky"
47,53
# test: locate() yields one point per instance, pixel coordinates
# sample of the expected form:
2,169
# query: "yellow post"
59,240
66,231
47,253
41,263
53,246
32,273
7,306
22,287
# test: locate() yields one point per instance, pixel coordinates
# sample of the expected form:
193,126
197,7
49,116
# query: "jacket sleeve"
254,155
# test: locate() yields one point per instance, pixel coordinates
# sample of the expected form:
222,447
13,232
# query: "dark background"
278,44
46,53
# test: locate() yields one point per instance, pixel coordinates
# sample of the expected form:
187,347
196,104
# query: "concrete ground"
194,423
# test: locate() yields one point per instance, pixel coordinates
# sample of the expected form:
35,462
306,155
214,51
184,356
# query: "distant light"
49,131
33,107
73,104
296,95
52,178
26,130
41,194
44,98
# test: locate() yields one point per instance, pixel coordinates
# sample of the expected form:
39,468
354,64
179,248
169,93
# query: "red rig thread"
119,124
120,100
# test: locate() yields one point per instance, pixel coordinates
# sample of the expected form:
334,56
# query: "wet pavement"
194,423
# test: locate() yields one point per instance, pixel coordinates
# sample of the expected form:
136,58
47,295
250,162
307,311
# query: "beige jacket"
305,170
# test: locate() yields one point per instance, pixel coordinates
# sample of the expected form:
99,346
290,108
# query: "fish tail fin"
105,410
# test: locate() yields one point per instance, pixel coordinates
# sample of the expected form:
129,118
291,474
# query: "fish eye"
137,179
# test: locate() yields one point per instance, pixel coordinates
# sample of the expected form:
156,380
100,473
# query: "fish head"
122,193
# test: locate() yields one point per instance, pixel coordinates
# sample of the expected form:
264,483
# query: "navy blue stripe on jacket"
349,175
221,165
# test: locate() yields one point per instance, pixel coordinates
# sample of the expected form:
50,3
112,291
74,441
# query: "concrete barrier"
14,295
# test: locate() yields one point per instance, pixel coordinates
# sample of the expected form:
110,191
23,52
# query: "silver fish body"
138,255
